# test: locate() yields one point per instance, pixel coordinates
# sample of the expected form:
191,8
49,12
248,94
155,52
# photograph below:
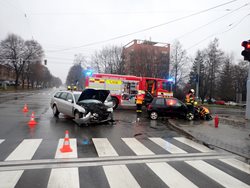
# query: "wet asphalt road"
14,129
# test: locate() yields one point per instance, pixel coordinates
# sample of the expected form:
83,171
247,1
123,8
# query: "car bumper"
89,118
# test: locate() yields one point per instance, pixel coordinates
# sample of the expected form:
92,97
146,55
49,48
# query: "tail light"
149,107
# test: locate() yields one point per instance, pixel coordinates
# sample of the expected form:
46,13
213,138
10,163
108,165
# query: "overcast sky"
68,27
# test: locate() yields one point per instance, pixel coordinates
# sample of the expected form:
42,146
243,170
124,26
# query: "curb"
211,146
191,137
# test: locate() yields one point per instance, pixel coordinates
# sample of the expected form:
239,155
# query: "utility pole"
198,79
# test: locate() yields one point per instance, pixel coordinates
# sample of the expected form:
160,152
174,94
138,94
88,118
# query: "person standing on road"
190,100
139,101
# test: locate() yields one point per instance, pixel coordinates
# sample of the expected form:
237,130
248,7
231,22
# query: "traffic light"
246,52
45,62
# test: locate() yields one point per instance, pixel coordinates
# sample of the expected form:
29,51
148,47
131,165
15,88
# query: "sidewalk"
233,134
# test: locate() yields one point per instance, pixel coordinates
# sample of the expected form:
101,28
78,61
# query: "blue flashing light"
170,79
88,72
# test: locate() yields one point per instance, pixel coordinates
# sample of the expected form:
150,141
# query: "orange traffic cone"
25,108
32,119
66,144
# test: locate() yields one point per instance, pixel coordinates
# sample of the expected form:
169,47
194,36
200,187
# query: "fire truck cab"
124,88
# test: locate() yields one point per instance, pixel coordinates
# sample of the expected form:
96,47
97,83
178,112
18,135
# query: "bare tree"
178,63
16,52
12,51
75,75
198,75
33,55
213,59
226,91
240,74
108,60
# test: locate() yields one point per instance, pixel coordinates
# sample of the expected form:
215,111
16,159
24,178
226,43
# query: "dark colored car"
167,107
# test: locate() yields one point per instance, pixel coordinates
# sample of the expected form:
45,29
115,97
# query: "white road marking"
117,175
10,178
25,151
73,145
137,147
104,148
193,144
168,174
167,146
237,164
217,175
1,141
65,177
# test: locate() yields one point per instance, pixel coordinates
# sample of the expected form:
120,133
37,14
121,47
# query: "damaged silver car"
89,106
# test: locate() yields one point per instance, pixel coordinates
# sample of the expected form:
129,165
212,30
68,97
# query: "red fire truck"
123,88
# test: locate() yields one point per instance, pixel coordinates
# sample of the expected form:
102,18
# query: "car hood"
100,95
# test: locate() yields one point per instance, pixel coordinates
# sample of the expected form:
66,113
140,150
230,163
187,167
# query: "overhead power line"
214,34
146,29
215,20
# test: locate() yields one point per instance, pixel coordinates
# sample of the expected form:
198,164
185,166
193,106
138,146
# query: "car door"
160,106
69,105
61,103
177,108
169,107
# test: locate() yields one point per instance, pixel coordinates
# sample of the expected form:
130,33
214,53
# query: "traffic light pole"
246,54
248,96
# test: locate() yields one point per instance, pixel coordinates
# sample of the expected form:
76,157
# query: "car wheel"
190,116
115,102
55,111
153,115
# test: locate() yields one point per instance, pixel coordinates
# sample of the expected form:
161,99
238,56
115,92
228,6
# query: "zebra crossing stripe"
137,147
193,144
168,174
1,141
237,164
166,145
25,151
217,175
117,175
65,177
104,148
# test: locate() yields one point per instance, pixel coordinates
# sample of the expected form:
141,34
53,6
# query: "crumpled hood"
100,95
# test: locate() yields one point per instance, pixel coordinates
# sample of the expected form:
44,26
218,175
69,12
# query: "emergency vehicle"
123,88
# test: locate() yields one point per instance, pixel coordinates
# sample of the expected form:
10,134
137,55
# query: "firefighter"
190,100
139,101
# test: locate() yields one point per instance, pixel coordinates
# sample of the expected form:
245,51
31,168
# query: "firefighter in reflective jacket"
190,100
139,101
